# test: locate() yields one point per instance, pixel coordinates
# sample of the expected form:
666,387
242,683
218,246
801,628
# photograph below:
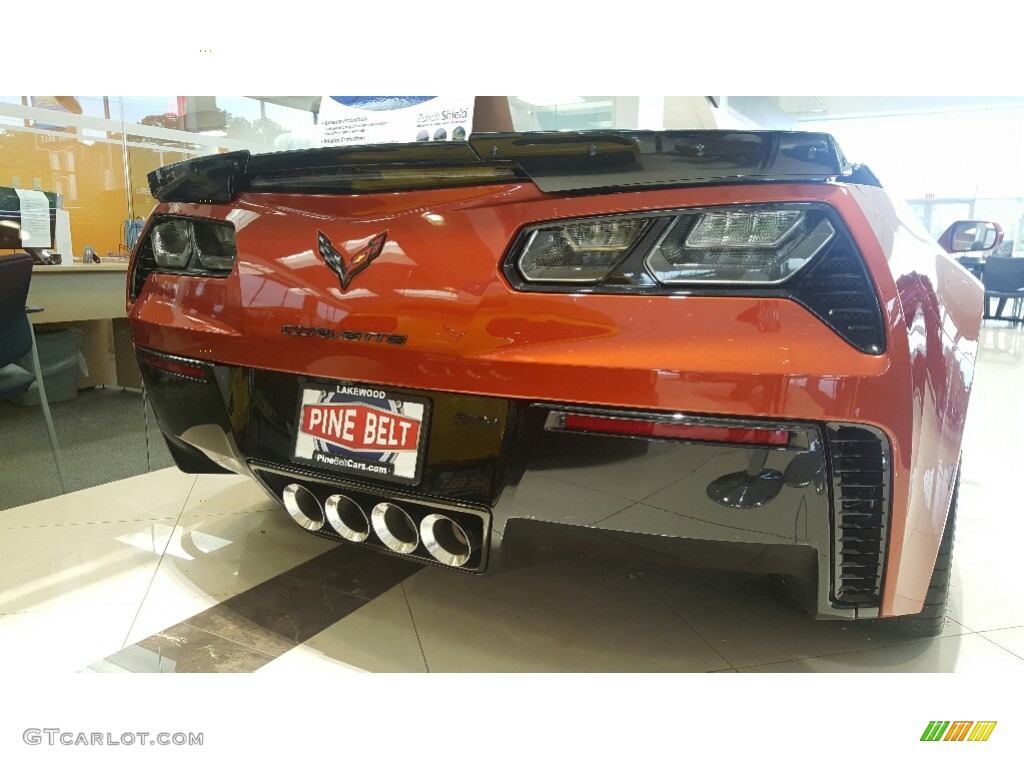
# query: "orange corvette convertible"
732,339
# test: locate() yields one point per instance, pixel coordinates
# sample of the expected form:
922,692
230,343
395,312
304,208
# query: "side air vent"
861,482
838,289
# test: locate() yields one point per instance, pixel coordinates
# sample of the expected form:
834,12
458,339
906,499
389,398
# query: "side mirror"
967,236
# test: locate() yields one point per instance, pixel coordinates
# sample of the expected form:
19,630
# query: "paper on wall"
35,219
347,120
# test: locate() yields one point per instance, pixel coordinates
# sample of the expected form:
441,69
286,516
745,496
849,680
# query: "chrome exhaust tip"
395,528
347,518
303,506
446,540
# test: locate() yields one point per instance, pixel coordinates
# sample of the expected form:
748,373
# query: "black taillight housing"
797,251
184,245
838,289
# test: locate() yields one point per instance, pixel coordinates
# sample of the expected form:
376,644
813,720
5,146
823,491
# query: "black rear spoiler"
578,161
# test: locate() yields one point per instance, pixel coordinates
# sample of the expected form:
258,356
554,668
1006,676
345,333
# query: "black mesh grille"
860,486
838,289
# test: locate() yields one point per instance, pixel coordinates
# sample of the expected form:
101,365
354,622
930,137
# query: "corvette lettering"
359,427
343,335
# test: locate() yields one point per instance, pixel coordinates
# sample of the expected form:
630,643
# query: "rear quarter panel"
935,315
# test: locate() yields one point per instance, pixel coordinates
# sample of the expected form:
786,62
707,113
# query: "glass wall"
578,113
562,113
95,152
967,164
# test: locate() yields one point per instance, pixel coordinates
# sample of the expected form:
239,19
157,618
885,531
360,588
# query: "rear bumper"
818,507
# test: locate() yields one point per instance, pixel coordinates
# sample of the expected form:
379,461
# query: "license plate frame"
337,441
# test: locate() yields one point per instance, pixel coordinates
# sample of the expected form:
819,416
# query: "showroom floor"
103,434
172,572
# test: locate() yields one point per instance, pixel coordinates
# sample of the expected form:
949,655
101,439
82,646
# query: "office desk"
90,297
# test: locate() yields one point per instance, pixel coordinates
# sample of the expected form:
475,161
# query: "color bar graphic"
958,730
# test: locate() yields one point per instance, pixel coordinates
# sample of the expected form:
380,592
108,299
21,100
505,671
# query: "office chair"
17,338
1004,280
972,264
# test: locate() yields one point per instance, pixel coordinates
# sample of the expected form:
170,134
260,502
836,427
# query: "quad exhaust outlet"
434,532
446,540
395,528
347,518
303,506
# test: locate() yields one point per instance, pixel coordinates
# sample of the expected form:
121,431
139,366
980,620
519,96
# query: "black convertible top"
568,162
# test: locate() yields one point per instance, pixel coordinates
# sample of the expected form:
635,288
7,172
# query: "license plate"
362,430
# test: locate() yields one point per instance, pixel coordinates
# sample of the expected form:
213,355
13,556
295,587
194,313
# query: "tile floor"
167,571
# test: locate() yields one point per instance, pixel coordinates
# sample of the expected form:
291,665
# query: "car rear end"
691,336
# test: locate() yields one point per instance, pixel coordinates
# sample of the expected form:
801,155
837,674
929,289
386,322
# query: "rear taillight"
735,245
739,247
172,244
215,246
797,251
579,253
668,429
201,247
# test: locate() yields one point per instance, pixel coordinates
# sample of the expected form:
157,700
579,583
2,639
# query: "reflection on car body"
728,337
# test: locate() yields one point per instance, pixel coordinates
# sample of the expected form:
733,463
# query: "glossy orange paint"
942,308
438,282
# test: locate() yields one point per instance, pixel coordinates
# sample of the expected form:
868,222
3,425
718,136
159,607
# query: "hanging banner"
347,120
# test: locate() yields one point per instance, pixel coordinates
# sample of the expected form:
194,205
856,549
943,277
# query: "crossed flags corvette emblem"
356,264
